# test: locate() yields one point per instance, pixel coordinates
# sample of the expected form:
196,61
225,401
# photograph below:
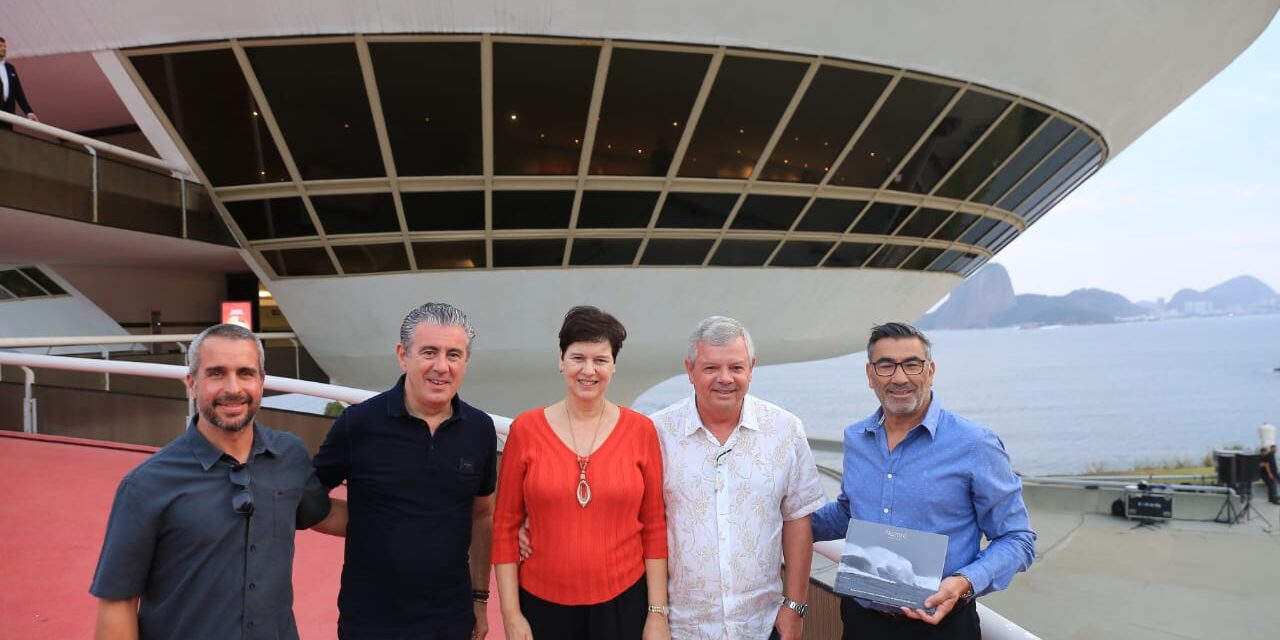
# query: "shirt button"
253,547
886,509
249,624
252,586
889,476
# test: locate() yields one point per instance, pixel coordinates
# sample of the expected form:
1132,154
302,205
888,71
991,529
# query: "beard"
210,414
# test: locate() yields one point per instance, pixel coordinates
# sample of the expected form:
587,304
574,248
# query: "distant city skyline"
1192,203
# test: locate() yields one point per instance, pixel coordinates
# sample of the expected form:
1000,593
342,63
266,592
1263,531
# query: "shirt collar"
208,455
930,422
397,408
746,419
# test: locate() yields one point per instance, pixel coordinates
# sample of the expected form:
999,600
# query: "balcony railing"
47,170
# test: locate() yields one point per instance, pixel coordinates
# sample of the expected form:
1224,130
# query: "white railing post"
93,153
106,375
28,401
297,359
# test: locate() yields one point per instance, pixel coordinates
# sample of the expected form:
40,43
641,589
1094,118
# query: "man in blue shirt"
914,464
200,540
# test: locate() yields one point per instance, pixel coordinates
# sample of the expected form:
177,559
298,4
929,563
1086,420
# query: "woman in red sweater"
587,475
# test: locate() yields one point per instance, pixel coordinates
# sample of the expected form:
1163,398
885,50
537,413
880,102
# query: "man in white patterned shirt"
740,482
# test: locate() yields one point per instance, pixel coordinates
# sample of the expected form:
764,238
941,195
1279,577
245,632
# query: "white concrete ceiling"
1119,66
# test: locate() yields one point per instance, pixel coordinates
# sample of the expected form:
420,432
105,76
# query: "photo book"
890,565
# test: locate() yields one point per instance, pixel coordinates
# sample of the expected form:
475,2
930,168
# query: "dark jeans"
621,618
866,624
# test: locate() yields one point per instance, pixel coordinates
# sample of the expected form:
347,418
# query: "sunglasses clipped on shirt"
242,500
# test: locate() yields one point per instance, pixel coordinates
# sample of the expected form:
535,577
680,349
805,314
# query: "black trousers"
866,624
621,618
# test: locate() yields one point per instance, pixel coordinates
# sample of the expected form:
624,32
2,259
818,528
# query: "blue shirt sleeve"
831,522
1002,517
127,551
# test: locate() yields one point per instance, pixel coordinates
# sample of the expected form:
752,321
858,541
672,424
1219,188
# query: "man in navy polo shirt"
420,466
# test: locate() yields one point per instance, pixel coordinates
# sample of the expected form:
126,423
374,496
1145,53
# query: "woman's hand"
517,627
655,628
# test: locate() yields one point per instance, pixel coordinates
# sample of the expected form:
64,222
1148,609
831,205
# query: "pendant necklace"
583,490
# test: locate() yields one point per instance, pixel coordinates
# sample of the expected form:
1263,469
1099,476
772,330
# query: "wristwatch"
660,609
800,609
967,596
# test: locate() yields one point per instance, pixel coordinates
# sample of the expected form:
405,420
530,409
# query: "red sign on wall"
240,313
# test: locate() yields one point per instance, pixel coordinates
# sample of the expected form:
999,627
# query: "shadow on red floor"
55,495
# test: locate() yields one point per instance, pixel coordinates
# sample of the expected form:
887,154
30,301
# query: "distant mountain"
986,299
1242,294
985,295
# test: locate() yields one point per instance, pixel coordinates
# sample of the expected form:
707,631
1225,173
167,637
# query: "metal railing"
64,174
994,625
181,340
94,147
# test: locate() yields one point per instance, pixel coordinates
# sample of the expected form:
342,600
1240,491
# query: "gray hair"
440,314
898,331
230,332
719,330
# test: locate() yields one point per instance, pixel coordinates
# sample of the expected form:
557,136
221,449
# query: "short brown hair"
591,324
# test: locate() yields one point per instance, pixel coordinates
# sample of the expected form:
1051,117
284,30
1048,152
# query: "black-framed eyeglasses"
242,501
886,368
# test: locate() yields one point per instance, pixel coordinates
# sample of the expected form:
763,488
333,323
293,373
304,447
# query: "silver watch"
800,609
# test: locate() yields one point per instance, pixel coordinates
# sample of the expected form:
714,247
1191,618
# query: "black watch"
800,609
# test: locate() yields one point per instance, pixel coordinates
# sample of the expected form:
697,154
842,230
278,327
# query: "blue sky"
1193,202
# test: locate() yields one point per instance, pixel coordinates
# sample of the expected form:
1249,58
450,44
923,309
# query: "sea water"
1065,399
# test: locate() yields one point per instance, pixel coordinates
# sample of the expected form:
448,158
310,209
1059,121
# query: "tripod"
1246,509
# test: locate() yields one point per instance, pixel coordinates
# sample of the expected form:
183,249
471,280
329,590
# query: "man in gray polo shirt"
200,539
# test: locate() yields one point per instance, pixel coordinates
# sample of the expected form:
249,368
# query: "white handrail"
348,395
179,372
103,147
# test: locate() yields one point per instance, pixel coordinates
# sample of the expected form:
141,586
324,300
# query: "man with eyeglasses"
914,464
201,535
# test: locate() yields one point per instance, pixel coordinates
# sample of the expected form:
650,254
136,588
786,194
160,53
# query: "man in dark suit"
11,94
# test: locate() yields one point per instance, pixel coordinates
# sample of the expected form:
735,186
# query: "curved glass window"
616,209
967,121
372,258
430,95
768,212
894,130
205,96
696,210
467,254
541,94
444,210
743,253
801,253
647,100
357,213
837,101
316,98
532,209
403,153
603,251
662,251
269,219
830,215
744,107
